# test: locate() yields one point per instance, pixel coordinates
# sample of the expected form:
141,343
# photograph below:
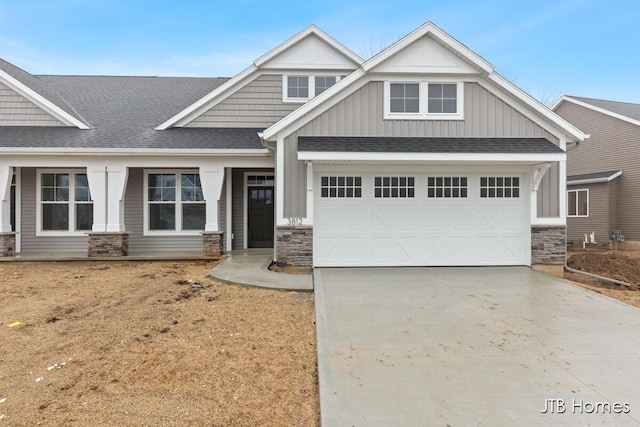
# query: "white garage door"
409,218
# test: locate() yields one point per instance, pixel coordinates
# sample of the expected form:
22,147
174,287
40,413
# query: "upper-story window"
423,100
301,88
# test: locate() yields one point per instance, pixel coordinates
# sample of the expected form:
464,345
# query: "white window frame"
178,203
577,215
71,202
423,110
312,85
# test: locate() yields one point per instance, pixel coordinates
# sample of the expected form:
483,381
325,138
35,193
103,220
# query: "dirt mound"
613,264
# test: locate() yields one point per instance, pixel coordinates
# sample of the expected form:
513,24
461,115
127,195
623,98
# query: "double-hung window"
578,203
64,202
423,100
174,202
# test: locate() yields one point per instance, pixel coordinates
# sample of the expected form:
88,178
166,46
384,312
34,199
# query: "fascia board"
597,109
595,180
432,157
188,113
41,101
528,100
438,34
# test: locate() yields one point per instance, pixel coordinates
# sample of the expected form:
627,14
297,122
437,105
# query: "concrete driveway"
472,346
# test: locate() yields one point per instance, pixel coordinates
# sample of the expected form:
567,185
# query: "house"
603,180
422,155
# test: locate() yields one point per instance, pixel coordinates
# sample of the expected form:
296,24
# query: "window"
323,83
447,187
303,88
578,203
340,186
260,180
499,187
175,202
64,202
394,186
405,98
423,100
442,98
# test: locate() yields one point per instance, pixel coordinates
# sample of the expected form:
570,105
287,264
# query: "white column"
211,178
280,182
6,173
228,183
107,184
562,170
310,182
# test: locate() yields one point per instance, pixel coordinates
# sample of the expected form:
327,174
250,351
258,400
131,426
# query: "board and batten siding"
134,223
598,220
32,244
613,145
15,110
258,104
362,114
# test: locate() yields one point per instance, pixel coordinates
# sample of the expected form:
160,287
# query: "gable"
310,53
16,110
425,56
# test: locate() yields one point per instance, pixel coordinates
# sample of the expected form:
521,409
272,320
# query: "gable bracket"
538,173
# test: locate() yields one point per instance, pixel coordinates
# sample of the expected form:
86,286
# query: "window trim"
71,203
312,86
178,203
423,107
577,215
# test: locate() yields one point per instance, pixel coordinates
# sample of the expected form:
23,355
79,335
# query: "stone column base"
212,243
294,246
108,244
549,248
7,245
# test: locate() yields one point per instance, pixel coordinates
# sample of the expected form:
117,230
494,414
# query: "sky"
548,48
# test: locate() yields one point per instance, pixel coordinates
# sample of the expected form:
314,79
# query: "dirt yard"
620,265
151,343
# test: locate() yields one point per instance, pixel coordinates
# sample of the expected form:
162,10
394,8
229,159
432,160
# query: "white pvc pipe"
596,276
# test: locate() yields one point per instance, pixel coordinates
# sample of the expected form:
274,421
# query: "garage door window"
394,186
447,187
499,187
341,186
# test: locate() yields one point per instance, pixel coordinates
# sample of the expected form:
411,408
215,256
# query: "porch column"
211,178
107,184
7,235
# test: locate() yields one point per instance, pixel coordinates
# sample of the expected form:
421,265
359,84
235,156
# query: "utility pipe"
596,276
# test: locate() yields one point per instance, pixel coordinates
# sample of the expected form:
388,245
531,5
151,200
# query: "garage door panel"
421,231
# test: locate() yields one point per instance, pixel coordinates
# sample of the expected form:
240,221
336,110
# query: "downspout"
596,276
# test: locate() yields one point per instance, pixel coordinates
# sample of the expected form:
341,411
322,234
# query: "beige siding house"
422,155
603,180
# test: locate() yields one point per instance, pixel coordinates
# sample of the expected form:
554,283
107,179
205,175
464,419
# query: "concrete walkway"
472,346
249,268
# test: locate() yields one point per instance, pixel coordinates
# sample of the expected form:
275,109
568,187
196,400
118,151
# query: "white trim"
310,189
594,108
577,206
228,208
562,188
177,202
431,157
280,182
423,100
551,221
70,203
18,230
48,106
119,152
245,202
595,180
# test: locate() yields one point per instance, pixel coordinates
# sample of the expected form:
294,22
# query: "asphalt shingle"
626,109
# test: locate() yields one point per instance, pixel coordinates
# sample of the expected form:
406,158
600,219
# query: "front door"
260,217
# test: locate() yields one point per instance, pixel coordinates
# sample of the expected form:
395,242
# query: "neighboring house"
603,183
422,155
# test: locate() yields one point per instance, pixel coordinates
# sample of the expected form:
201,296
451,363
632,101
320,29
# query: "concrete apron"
472,346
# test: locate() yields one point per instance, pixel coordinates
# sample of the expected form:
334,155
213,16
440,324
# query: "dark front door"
260,217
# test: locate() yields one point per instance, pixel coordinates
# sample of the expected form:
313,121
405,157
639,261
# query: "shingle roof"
122,113
595,176
426,145
626,109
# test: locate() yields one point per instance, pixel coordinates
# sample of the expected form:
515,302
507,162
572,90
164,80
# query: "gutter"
596,276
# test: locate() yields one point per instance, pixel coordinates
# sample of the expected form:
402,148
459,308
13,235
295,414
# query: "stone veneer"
294,246
108,244
212,243
548,245
7,244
